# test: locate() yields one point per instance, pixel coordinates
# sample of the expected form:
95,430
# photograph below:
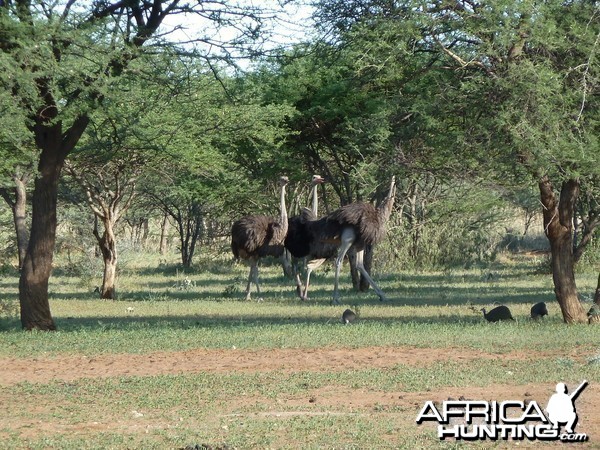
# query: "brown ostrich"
257,236
297,235
352,226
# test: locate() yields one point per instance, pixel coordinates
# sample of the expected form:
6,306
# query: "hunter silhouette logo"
512,419
561,407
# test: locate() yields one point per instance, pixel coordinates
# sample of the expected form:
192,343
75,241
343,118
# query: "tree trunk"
97,252
108,290
187,239
183,240
413,220
558,226
594,318
190,230
18,207
37,265
186,259
108,248
19,216
145,232
597,293
164,229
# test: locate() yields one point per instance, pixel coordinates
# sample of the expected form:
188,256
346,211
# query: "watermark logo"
512,419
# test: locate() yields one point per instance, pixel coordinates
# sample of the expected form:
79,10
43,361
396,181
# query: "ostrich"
256,236
352,226
297,236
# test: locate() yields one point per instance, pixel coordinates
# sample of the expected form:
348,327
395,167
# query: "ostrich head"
392,192
317,179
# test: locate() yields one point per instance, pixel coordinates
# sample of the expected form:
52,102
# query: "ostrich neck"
385,209
284,217
315,200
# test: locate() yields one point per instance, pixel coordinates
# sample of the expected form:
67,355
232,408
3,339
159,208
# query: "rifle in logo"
561,407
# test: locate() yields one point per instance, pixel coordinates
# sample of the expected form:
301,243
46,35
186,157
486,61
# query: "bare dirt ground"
70,368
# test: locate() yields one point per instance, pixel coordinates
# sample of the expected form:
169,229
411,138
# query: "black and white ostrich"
297,236
257,236
352,226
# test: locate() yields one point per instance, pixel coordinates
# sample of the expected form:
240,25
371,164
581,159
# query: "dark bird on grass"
353,226
497,314
348,317
594,314
297,235
206,447
539,310
256,236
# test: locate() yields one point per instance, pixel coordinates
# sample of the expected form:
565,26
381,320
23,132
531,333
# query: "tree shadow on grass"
414,290
330,316
229,322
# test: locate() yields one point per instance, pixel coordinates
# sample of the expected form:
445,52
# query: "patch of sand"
70,368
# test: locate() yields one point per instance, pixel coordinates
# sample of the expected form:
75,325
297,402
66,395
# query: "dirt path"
69,368
326,400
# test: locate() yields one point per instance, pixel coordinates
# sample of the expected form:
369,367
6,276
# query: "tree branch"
464,64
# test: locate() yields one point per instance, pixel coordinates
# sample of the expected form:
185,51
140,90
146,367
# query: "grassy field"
171,365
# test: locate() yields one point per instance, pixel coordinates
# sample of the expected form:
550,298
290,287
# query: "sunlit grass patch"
359,407
156,312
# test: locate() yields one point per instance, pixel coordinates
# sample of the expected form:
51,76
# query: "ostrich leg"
312,265
361,267
252,278
299,287
347,237
255,268
249,282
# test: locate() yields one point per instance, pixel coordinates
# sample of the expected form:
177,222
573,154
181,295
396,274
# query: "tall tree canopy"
504,90
58,64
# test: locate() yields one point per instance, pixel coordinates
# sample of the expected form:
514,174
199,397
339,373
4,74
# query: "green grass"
268,326
274,409
432,309
172,411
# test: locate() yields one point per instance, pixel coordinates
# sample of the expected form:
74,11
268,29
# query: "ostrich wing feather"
249,233
365,219
298,237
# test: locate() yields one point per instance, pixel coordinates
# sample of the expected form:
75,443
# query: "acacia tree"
109,190
342,127
540,79
189,213
507,87
58,65
208,174
125,135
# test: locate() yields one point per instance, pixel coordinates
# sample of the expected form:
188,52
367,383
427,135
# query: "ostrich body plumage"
256,236
352,226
